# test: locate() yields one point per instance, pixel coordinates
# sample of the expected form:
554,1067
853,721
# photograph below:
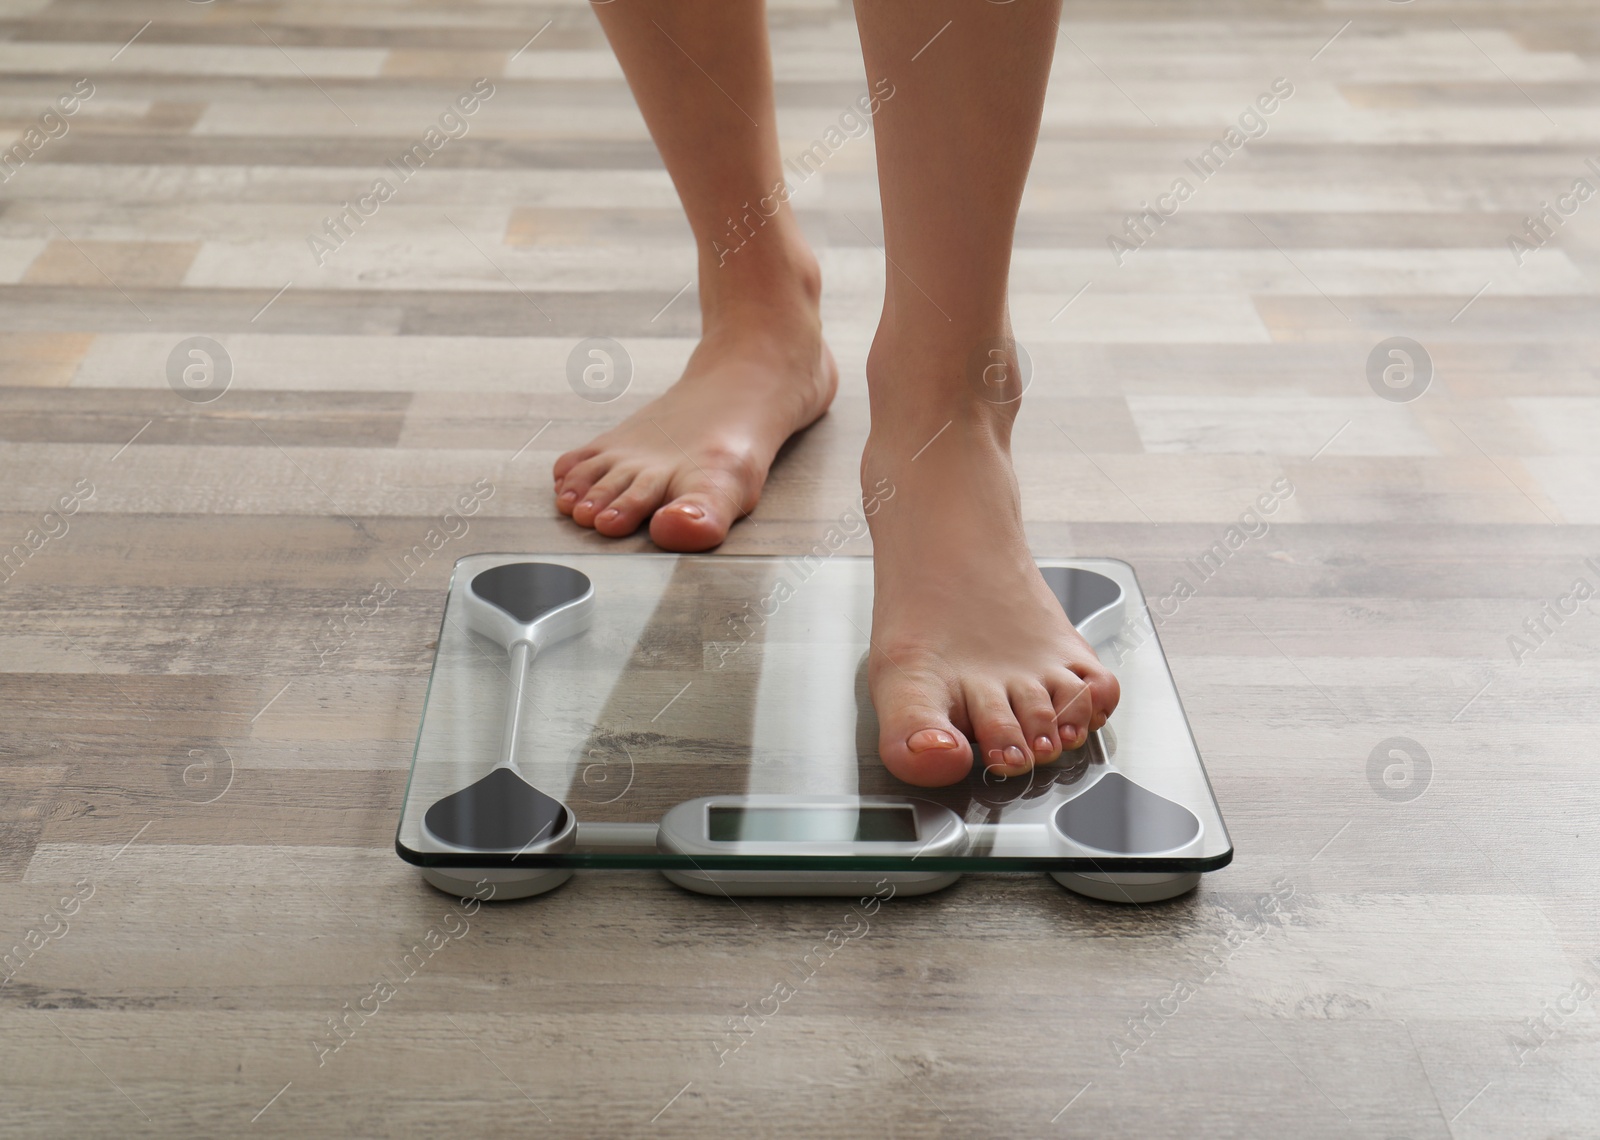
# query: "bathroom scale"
707,717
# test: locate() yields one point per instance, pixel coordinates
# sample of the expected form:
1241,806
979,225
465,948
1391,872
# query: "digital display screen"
872,824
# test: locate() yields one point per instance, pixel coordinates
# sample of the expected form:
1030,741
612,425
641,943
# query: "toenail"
609,515
691,510
930,738
1015,757
1100,720
568,496
586,505
1069,735
1042,744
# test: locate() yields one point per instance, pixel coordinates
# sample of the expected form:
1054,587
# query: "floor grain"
198,799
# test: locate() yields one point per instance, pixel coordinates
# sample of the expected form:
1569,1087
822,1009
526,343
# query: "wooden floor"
206,729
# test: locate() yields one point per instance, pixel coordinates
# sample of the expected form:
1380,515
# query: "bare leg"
968,641
696,457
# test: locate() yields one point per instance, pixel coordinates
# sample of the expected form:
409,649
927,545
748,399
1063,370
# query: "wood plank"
197,736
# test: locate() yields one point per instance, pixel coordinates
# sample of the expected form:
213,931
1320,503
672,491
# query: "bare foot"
970,649
694,459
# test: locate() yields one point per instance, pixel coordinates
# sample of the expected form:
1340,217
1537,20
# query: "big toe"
699,510
1104,691
916,740
690,523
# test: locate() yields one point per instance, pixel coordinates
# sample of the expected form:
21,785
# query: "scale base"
495,884
810,883
1128,886
767,766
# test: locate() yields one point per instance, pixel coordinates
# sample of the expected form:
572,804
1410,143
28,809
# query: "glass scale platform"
707,717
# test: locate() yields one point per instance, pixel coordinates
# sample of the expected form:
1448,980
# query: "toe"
700,508
570,460
1030,703
691,523
999,737
916,740
623,514
1104,692
572,489
598,497
704,501
1073,704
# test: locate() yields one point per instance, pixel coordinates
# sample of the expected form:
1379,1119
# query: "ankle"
774,275
933,387
939,462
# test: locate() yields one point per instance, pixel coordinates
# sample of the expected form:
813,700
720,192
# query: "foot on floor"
693,460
